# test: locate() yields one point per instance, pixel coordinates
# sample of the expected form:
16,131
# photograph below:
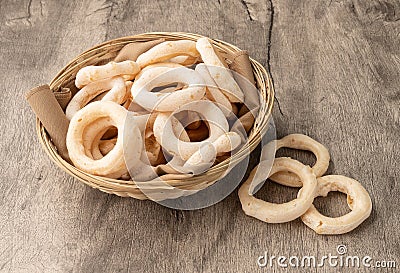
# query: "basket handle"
48,109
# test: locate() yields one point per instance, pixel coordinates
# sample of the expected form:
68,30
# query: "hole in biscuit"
334,205
167,87
305,157
110,133
275,193
99,97
199,134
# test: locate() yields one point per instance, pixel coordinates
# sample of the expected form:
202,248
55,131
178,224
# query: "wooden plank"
336,73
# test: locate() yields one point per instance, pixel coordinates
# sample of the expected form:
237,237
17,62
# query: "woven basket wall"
105,52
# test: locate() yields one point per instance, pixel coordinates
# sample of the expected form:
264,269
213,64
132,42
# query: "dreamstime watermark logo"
338,259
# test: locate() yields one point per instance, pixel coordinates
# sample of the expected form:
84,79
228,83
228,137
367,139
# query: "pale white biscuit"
167,50
280,213
165,102
222,76
358,201
91,73
117,93
114,161
302,142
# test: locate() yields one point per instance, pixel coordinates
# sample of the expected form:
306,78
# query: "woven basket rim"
129,188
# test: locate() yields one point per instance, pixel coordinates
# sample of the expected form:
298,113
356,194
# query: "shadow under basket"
105,52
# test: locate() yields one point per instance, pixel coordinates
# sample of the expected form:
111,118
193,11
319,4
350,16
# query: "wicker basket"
107,51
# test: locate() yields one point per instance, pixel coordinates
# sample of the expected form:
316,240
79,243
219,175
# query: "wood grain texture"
335,66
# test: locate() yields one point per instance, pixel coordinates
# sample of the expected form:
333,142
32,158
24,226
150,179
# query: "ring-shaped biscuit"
167,102
302,142
358,201
97,129
92,145
213,92
280,213
117,93
207,153
227,142
164,131
114,161
96,147
167,50
221,75
198,163
166,64
93,73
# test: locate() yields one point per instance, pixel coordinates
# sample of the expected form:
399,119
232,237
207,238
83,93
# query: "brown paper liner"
238,62
50,113
247,121
63,97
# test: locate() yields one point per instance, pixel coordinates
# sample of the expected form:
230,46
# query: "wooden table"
335,66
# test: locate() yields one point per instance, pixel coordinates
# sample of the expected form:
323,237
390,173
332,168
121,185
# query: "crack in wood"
245,5
41,8
29,12
100,9
117,9
384,11
271,24
108,18
279,106
26,19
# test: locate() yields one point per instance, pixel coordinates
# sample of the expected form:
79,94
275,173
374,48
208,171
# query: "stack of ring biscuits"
174,106
292,173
